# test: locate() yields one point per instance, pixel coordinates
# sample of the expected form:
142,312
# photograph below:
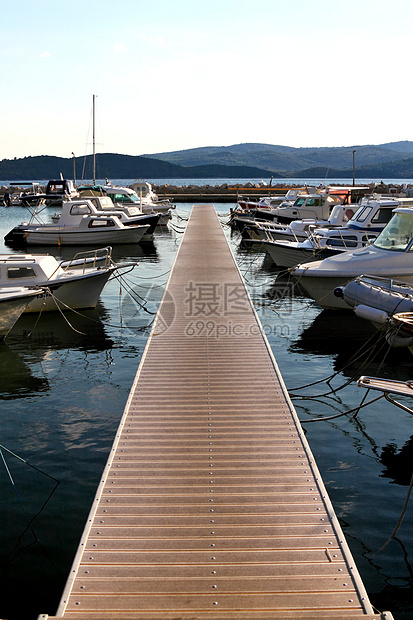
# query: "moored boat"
297,230
316,205
317,246
74,284
371,215
130,214
79,223
389,256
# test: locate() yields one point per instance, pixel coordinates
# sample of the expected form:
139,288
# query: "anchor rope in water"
378,341
343,413
132,293
30,520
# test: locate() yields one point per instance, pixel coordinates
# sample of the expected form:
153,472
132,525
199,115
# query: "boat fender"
394,339
371,314
338,292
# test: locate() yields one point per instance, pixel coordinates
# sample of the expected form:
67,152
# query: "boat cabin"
373,214
143,190
62,187
26,270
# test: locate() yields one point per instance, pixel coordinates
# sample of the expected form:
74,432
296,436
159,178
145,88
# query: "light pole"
354,178
74,168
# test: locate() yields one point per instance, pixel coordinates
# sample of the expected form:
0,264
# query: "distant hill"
399,169
288,161
245,161
114,166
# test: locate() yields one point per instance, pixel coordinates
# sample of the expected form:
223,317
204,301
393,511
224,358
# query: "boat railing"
90,258
349,243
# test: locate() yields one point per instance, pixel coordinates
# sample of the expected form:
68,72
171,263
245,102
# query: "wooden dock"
211,505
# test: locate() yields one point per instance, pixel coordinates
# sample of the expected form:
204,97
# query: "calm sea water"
64,384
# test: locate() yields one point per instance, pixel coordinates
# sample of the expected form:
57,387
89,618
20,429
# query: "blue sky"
177,74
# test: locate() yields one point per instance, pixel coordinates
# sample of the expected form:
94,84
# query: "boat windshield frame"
397,236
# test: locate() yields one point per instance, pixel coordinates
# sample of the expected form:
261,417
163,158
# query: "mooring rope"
29,525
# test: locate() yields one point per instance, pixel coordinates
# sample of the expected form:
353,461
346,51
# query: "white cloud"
45,55
119,48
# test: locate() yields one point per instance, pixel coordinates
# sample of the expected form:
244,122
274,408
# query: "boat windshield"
125,198
398,234
309,202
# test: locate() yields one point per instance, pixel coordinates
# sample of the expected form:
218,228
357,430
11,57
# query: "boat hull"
287,254
320,278
54,235
321,289
77,293
11,308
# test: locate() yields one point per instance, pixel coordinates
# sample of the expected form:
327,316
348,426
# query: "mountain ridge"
245,160
289,160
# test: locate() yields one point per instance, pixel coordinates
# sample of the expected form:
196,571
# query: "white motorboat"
315,206
14,197
126,197
297,230
148,200
13,301
372,214
147,195
317,246
74,284
270,202
362,229
129,214
390,256
79,223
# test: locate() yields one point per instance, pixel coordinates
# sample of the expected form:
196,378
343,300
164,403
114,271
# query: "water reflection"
16,377
84,330
398,462
357,346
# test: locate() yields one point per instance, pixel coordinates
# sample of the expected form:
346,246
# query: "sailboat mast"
94,149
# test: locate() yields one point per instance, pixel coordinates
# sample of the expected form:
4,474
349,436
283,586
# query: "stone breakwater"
232,193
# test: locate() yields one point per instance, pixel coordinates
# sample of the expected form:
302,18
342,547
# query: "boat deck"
211,504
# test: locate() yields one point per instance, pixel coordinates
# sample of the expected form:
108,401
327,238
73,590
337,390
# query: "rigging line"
157,276
17,494
160,285
355,375
339,415
63,315
136,298
27,463
14,551
352,378
354,358
406,501
37,319
287,272
179,232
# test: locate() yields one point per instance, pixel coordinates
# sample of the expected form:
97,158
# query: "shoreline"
233,193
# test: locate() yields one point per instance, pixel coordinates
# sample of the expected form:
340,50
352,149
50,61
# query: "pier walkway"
211,505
